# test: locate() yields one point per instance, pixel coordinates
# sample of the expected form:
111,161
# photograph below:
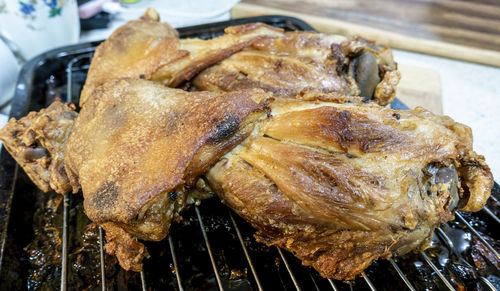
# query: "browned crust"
340,185
385,92
147,49
136,49
212,58
195,67
477,182
37,143
204,53
137,140
318,184
286,65
336,253
296,62
129,252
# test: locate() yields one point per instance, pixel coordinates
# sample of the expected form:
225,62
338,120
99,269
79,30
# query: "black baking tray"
44,78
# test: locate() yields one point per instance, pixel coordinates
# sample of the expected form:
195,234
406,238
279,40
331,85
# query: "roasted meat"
290,64
204,53
37,143
340,185
285,140
148,49
138,146
135,49
306,64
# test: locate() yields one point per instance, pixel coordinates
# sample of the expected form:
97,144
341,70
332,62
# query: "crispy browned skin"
291,64
37,143
129,252
296,64
148,49
204,53
137,146
337,184
340,185
138,48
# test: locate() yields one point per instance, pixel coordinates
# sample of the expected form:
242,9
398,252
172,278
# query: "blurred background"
448,51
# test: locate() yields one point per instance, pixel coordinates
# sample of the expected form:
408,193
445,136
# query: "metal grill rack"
297,282
211,242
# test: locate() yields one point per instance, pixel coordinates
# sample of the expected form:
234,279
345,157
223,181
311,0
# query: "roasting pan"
43,245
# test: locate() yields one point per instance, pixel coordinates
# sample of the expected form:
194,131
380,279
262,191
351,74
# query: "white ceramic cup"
8,75
31,27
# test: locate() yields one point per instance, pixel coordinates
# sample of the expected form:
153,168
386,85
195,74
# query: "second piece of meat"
341,185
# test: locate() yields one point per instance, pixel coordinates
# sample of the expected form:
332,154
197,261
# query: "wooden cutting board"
459,29
420,87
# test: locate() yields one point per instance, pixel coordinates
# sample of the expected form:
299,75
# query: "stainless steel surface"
491,214
64,255
370,284
101,254
488,283
402,275
64,260
292,276
444,237
334,287
143,281
314,281
240,238
174,260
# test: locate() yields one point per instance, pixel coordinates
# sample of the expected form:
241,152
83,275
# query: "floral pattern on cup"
48,23
28,8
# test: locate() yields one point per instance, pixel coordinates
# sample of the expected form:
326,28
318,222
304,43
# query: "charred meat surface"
37,143
135,49
255,55
284,139
296,64
148,49
340,185
137,147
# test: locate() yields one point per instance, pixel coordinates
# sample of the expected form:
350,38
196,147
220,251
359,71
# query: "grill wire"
441,234
444,238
